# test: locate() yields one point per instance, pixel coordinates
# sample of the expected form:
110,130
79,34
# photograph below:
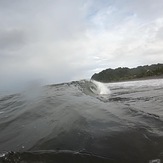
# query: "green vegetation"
123,74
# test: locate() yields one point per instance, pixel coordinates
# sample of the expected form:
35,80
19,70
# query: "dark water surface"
84,122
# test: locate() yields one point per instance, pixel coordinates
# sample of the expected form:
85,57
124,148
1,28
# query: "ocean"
84,122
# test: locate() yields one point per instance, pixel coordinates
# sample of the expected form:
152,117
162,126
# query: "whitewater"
84,122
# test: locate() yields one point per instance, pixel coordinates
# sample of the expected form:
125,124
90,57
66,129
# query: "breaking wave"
92,87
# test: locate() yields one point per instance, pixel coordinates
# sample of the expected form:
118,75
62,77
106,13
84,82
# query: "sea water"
82,122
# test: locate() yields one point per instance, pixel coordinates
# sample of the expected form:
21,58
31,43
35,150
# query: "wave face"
83,122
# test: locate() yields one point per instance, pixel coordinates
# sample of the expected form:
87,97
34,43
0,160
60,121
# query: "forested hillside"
122,74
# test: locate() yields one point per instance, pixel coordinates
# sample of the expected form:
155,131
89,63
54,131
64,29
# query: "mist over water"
84,121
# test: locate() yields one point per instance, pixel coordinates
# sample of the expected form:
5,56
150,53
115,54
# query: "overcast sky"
53,41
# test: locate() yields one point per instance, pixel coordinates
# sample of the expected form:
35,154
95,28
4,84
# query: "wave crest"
101,88
92,87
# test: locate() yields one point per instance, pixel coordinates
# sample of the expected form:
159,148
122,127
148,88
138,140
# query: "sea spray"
102,89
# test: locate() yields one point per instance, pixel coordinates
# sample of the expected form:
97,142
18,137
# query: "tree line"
124,73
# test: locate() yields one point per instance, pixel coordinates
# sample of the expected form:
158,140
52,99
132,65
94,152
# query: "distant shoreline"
137,79
120,74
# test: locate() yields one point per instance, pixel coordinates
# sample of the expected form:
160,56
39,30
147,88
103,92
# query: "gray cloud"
12,39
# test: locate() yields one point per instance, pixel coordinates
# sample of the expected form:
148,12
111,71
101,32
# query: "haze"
53,41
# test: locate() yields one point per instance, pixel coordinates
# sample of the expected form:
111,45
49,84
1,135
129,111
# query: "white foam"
2,154
101,88
138,84
155,161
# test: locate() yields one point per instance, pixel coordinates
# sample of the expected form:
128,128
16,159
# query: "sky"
56,41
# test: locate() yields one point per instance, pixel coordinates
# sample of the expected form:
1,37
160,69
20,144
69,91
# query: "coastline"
137,79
